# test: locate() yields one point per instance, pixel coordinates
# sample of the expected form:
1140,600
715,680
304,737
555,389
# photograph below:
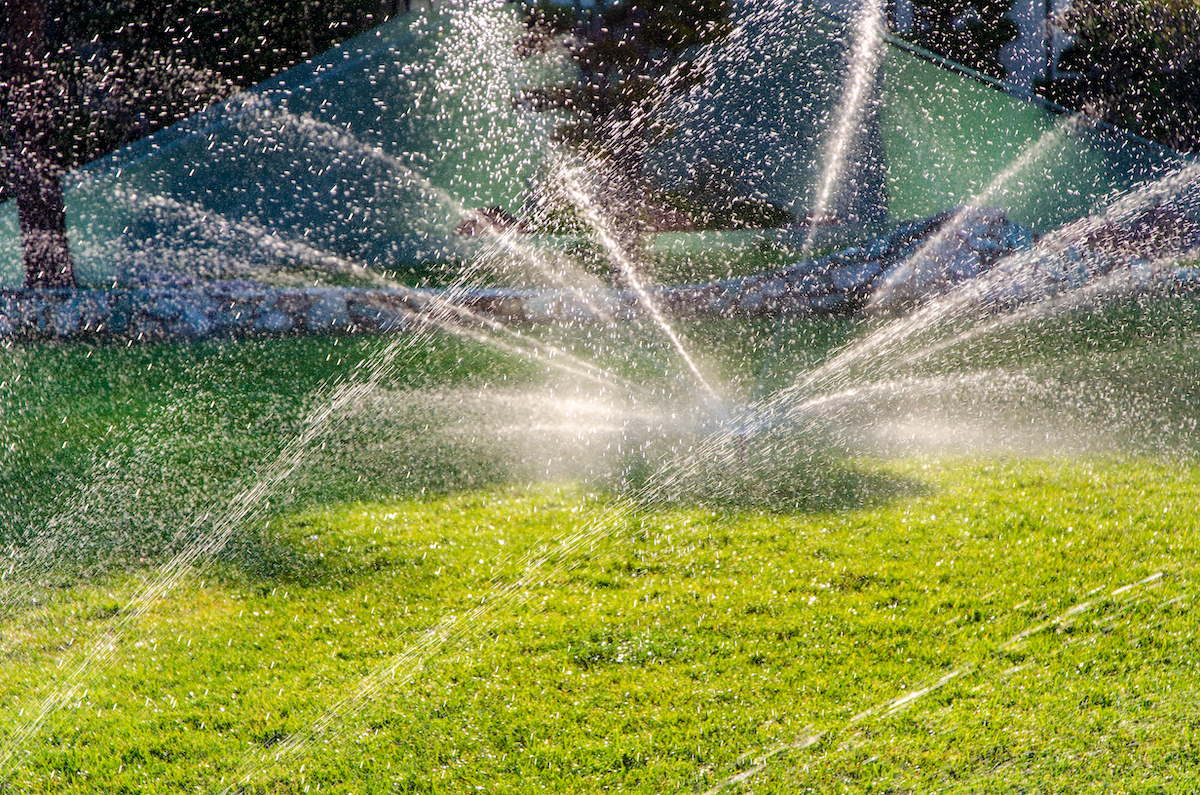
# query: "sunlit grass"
1046,605
449,592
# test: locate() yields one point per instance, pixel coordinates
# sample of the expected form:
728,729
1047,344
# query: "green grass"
417,606
671,650
127,443
114,446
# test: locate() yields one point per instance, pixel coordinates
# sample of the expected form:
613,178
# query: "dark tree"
970,32
32,158
80,78
1136,65
121,69
632,57
131,67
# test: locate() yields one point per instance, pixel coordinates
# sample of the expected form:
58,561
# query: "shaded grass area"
1012,626
409,610
109,450
115,448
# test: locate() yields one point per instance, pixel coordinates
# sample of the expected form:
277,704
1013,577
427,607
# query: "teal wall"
368,153
371,152
951,139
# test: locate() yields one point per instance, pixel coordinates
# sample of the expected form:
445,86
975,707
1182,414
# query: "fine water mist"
162,461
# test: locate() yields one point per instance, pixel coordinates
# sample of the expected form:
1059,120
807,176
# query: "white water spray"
629,271
863,60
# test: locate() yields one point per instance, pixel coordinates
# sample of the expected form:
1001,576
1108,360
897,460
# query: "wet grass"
1013,626
414,608
115,447
107,450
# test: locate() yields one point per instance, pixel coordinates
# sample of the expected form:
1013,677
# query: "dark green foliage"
716,199
121,70
631,57
1135,64
970,32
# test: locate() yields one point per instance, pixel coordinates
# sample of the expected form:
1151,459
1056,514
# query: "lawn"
518,572
1007,626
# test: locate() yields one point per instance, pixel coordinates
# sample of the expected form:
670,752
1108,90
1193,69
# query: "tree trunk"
37,178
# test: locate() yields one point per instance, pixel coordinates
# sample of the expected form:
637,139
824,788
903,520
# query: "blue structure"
369,155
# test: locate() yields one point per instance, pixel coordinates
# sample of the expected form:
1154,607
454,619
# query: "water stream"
960,372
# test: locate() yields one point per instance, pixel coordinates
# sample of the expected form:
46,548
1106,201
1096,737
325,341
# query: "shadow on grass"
837,486
117,459
779,474
135,518
276,558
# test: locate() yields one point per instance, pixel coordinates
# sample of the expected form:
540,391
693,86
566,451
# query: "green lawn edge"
1017,625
